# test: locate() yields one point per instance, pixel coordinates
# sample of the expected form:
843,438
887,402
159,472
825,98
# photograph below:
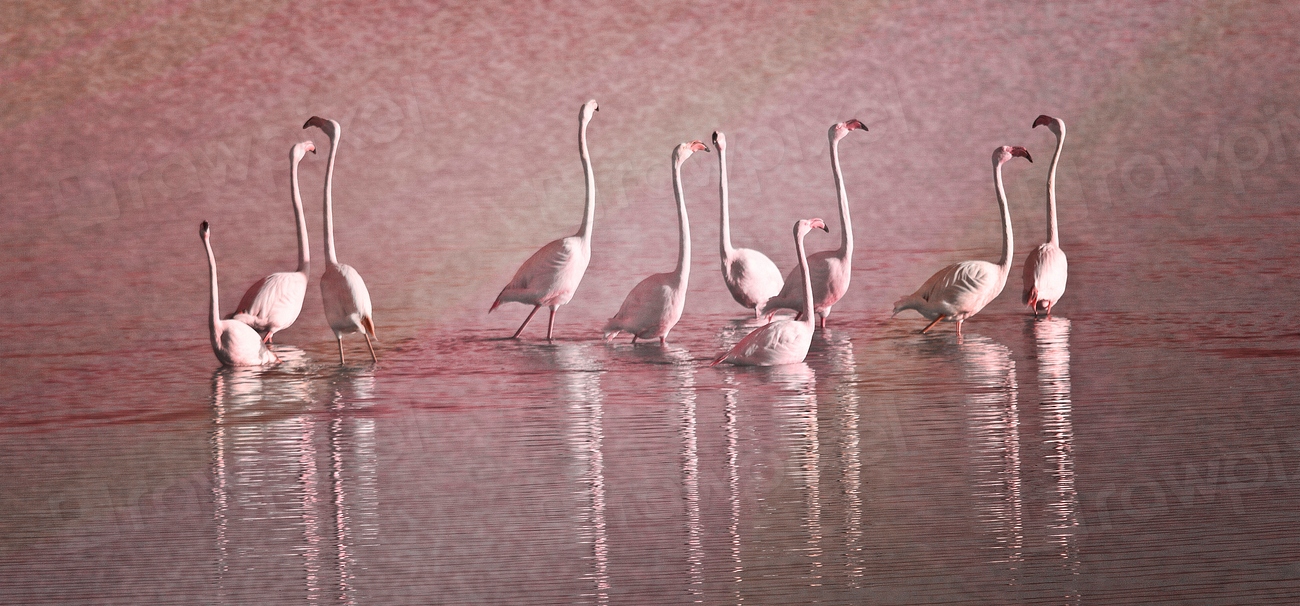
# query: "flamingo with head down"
655,304
1045,267
784,341
551,276
961,290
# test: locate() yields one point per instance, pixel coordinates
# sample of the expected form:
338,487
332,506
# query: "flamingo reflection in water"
580,376
1052,337
992,404
843,399
281,515
798,408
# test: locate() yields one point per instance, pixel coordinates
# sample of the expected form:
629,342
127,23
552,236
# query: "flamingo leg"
821,321
340,338
1049,310
936,321
634,339
526,320
958,328
663,341
267,338
370,347
550,328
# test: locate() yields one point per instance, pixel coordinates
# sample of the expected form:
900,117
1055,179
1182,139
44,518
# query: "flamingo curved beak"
1043,120
855,124
1022,152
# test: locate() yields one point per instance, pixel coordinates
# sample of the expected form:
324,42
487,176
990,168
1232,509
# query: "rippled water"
1141,446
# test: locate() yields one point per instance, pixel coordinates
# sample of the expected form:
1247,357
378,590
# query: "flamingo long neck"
1051,190
1008,243
304,252
589,213
329,201
214,312
846,223
724,245
807,310
683,269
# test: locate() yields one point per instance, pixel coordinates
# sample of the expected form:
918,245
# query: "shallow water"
1140,446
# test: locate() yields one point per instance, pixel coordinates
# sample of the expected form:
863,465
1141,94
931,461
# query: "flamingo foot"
526,320
936,321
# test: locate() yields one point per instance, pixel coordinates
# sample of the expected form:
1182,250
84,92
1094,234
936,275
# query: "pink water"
1139,447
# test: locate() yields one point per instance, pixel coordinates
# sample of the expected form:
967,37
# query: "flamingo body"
651,309
233,342
784,341
655,304
1044,277
830,270
751,277
273,303
1046,268
551,275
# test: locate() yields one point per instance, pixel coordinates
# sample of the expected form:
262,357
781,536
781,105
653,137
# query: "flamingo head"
329,127
301,149
1007,152
203,230
1056,125
840,129
803,226
587,110
685,150
719,141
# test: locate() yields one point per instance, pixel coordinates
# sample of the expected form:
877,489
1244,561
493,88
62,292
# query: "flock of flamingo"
551,275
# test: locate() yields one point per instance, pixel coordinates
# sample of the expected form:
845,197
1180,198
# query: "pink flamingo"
655,304
552,274
830,269
784,341
234,343
751,277
961,290
274,302
342,291
1045,267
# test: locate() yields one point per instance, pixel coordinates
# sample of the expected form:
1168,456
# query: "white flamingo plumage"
342,291
1046,267
273,303
784,341
961,290
552,274
751,277
234,343
655,304
831,269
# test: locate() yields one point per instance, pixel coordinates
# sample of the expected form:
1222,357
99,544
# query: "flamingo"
1045,267
655,304
784,341
751,277
552,274
234,343
342,291
830,269
961,290
273,303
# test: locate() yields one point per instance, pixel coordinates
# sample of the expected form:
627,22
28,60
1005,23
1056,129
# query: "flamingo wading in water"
961,290
234,343
342,291
784,341
1045,267
552,274
655,304
830,269
751,277
274,302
